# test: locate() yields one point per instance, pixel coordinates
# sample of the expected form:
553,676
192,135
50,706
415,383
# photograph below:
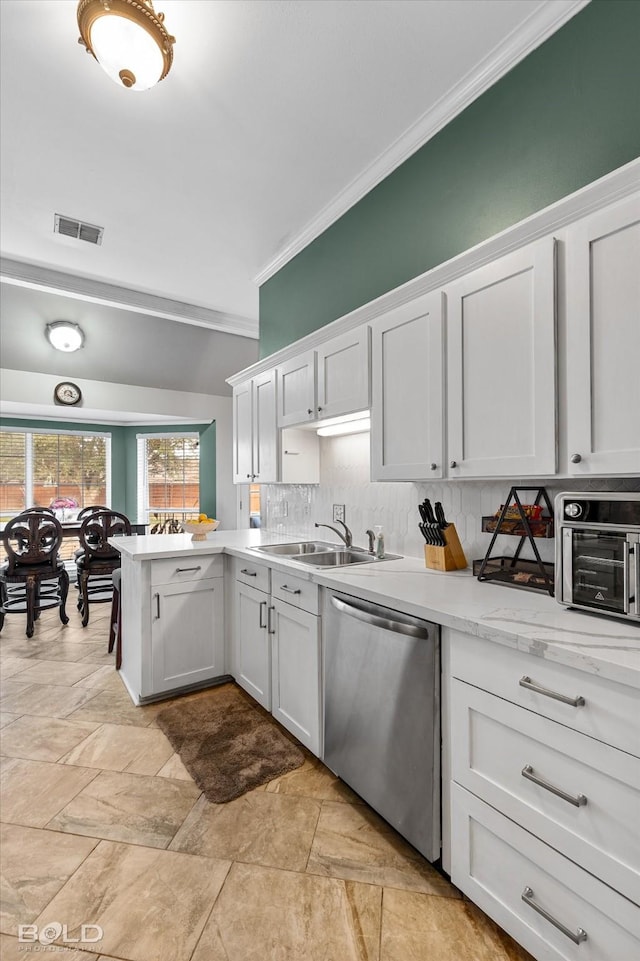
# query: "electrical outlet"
338,512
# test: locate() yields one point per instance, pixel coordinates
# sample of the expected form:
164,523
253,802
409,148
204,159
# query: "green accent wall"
124,456
566,115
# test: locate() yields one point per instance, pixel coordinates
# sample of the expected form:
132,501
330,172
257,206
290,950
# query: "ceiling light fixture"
63,335
128,39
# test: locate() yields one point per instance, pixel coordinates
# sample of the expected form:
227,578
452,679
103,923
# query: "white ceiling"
277,115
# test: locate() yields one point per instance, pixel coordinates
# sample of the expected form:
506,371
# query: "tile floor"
102,825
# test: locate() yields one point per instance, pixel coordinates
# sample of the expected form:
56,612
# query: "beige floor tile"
113,705
56,672
6,718
51,649
417,926
119,747
175,768
270,829
34,791
128,807
267,915
10,688
11,949
101,677
314,780
352,842
35,865
10,666
43,738
151,905
48,700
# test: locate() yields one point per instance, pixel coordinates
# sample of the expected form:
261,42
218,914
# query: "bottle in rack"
379,542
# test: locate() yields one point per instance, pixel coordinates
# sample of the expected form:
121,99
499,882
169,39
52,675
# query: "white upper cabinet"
242,434
501,365
342,371
255,435
326,382
603,342
407,385
265,431
297,390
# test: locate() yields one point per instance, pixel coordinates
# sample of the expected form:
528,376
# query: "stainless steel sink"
300,547
337,558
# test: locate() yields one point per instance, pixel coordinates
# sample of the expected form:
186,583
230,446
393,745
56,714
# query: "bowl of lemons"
200,528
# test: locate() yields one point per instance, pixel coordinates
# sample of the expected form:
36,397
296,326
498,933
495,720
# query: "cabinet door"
501,385
407,384
187,633
297,390
342,371
296,673
242,434
264,429
603,342
253,644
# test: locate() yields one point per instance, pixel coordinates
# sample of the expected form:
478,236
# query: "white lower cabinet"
295,672
253,647
276,647
543,794
187,629
172,624
541,898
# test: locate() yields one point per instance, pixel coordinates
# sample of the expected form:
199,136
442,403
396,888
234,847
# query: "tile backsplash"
344,479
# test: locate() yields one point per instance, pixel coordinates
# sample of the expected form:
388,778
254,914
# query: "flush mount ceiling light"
63,335
128,39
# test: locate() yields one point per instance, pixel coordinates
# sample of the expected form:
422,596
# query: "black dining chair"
98,561
33,578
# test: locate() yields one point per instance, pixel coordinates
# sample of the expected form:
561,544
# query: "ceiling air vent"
69,227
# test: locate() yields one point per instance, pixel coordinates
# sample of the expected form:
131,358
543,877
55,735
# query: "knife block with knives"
443,550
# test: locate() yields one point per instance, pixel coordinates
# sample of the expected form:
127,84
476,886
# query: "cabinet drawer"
610,710
255,575
495,862
295,590
595,824
174,570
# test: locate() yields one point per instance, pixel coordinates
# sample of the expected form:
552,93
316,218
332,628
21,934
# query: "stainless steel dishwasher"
382,713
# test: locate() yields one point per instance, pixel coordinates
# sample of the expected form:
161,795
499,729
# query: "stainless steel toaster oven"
598,552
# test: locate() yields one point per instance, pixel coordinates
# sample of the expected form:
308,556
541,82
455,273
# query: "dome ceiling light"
128,39
64,335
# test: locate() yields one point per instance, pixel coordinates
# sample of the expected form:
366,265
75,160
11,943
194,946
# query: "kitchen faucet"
372,541
347,537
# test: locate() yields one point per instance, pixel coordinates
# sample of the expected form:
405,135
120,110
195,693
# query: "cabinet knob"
433,466
576,458
454,463
249,476
309,410
319,409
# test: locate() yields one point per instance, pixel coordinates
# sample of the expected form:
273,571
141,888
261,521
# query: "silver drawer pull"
578,801
186,570
577,938
578,701
290,590
249,573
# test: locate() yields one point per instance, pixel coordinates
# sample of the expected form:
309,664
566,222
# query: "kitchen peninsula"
540,719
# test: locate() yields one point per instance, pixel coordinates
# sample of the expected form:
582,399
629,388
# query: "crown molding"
617,185
537,28
23,274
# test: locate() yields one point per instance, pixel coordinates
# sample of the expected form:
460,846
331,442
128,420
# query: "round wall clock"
67,393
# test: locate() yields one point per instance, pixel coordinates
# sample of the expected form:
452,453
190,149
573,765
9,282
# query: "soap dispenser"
379,542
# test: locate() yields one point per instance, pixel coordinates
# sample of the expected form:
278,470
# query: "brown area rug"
228,743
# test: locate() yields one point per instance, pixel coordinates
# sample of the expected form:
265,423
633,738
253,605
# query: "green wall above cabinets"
566,115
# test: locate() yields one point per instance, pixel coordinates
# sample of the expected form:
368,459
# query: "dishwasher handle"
373,615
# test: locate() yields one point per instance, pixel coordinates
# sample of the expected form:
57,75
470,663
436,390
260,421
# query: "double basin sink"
322,554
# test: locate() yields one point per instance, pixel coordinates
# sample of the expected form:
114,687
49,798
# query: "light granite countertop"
528,621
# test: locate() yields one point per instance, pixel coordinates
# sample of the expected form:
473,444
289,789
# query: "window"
45,469
168,477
